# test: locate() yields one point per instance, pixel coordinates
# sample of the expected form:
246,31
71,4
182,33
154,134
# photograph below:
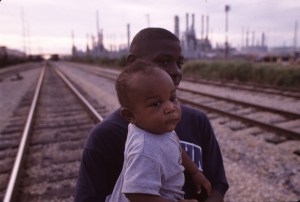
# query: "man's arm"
96,178
213,166
102,160
195,128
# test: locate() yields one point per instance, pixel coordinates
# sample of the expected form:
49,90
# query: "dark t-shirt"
103,155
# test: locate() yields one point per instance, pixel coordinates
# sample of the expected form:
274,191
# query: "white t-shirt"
152,165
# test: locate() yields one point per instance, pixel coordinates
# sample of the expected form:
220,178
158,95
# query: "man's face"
166,54
155,105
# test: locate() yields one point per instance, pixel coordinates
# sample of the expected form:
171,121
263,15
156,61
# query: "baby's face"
156,107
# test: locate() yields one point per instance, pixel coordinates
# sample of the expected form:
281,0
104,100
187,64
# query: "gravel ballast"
256,170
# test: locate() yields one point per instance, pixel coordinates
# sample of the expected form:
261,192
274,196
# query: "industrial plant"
193,47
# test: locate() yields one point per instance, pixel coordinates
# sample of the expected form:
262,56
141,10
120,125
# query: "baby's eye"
156,104
174,99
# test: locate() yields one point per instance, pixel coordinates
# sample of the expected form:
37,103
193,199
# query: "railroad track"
282,122
282,91
286,124
56,142
14,72
41,161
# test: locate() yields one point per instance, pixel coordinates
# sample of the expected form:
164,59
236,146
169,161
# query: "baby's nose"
169,108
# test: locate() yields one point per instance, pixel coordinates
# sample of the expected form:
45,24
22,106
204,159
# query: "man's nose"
175,72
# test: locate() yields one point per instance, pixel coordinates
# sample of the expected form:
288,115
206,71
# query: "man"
103,154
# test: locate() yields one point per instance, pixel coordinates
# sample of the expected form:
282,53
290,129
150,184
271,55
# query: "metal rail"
290,92
96,116
283,112
14,177
279,130
11,191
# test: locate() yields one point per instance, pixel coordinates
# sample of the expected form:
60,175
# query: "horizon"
46,27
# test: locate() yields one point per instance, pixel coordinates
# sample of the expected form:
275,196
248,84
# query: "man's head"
148,99
161,47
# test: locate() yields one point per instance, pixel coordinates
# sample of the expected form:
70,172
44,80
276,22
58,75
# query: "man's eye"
180,63
164,62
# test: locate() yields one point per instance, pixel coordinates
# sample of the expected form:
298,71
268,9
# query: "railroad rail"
199,99
282,91
58,120
58,133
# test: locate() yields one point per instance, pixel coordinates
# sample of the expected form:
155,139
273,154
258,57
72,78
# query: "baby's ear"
130,58
127,114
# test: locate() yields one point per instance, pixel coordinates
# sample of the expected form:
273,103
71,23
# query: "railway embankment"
273,74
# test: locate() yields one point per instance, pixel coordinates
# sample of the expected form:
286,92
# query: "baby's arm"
197,176
135,197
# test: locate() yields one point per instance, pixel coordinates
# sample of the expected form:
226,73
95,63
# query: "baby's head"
148,98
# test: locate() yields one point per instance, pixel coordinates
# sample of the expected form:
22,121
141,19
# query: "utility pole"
128,36
28,39
148,20
295,36
24,30
227,8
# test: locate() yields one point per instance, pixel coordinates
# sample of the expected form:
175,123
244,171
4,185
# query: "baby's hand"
201,181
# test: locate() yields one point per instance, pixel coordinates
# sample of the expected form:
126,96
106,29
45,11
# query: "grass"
244,71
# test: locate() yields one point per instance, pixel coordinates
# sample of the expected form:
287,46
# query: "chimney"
176,31
247,38
187,22
263,39
128,36
202,26
207,26
253,38
193,23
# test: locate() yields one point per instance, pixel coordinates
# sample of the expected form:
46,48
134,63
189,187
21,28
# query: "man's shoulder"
112,122
192,113
113,129
193,124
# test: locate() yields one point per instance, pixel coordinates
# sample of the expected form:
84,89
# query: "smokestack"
207,26
187,22
295,36
176,31
73,40
93,42
263,38
128,36
99,38
253,38
97,22
193,23
247,38
87,43
242,39
202,26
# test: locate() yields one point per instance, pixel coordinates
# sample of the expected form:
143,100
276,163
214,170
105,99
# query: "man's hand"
215,197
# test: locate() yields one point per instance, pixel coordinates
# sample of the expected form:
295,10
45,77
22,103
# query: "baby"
153,159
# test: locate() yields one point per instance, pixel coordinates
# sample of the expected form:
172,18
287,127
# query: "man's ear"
130,58
128,115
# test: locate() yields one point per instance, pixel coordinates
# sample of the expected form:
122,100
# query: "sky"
46,26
